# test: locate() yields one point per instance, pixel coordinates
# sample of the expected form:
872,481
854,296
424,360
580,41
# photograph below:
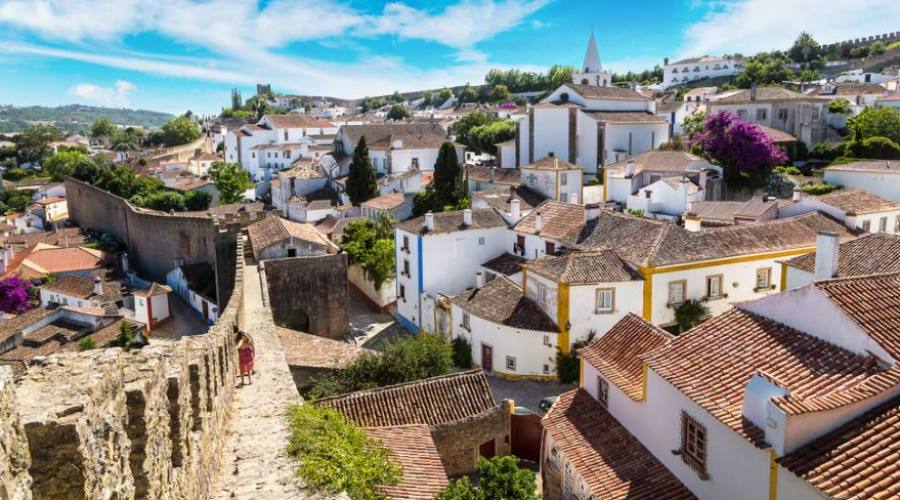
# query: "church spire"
592,57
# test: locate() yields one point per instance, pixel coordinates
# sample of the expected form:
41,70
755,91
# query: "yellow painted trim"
516,376
730,260
605,181
644,382
524,282
557,185
580,372
562,316
773,475
784,270
647,313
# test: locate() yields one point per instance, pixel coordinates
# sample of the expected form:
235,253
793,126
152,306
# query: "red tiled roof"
874,253
858,201
385,201
431,401
296,120
584,268
411,447
612,462
617,354
304,349
501,301
43,261
558,220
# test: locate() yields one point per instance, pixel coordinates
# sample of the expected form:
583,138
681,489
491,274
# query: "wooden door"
205,309
487,358
488,449
526,433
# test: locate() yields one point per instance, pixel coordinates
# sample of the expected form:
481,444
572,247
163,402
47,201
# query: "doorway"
487,358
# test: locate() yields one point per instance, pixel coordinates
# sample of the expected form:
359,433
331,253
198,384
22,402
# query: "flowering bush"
14,296
744,151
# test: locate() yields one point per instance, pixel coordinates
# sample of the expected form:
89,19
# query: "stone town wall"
156,240
458,442
110,424
309,294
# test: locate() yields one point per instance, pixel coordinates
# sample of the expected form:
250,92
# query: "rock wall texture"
156,240
111,424
458,442
309,294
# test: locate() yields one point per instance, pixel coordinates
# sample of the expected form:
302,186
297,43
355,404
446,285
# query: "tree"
808,75
361,184
877,48
498,478
231,181
14,295
397,112
164,201
839,106
483,138
442,96
33,143
64,163
500,93
462,352
411,358
86,344
690,313
371,246
197,200
878,122
179,130
103,129
447,180
693,124
463,128
746,154
396,98
763,69
805,48
467,94
336,456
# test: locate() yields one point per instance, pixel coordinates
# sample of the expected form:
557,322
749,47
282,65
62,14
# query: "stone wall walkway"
255,464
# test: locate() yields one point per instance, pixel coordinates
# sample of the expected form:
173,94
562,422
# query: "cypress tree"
361,185
447,182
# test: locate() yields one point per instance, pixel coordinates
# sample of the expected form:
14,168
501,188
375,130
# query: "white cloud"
115,96
750,26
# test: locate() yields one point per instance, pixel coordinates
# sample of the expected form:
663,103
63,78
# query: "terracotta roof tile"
83,288
874,253
558,220
882,166
625,116
617,354
43,261
614,93
499,198
858,201
506,263
386,201
14,325
431,401
765,94
552,163
502,301
857,460
712,363
297,120
584,268
612,462
505,176
273,229
304,349
446,222
411,447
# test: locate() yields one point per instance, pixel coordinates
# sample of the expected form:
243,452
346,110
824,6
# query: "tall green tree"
64,163
498,478
877,122
179,130
197,200
397,112
361,185
463,128
467,94
103,129
448,176
34,142
231,181
805,48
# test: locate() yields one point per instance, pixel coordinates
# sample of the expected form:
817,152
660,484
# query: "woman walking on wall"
246,356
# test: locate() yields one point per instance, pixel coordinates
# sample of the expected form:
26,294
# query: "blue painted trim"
419,257
406,323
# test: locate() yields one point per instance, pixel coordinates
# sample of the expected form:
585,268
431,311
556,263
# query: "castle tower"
591,70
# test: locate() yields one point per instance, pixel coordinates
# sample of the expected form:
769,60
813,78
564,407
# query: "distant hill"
76,117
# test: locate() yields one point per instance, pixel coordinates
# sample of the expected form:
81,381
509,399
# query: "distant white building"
592,72
699,68
554,178
800,115
881,177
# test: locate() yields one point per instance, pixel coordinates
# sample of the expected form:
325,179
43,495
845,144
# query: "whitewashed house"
799,115
554,178
196,285
277,238
81,291
699,68
857,209
867,255
878,177
152,305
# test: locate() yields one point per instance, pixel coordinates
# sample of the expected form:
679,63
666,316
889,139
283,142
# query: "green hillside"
76,117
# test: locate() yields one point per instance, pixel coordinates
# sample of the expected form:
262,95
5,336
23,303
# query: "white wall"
886,185
551,133
644,137
383,296
583,304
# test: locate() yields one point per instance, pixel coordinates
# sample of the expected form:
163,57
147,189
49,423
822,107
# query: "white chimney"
797,195
591,212
429,221
630,167
573,198
538,222
479,279
827,245
98,286
397,144
692,222
467,217
515,210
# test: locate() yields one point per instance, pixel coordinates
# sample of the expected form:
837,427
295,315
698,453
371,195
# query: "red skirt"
245,358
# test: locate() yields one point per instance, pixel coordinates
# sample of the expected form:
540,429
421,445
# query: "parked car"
546,403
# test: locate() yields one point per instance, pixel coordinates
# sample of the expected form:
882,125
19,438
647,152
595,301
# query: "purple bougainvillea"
14,295
739,145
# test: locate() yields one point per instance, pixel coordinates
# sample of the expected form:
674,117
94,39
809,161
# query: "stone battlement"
106,423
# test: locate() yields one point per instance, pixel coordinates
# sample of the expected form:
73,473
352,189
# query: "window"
285,135
693,444
546,369
742,114
511,363
602,391
763,278
547,340
867,226
815,113
520,244
606,300
676,292
760,114
783,115
653,138
541,293
403,292
292,252
897,224
253,155
465,321
550,247
714,286
405,243
415,163
406,267
563,179
481,240
882,225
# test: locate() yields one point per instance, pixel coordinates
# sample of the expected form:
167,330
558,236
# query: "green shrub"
87,344
788,170
498,478
593,182
839,106
462,352
336,456
690,313
568,365
818,189
15,174
826,151
879,148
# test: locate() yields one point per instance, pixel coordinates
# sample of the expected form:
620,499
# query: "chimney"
98,286
591,211
573,198
796,195
125,262
827,244
429,221
538,222
479,279
753,92
515,210
692,222
630,168
467,217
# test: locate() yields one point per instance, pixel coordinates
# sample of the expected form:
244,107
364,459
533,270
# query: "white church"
590,122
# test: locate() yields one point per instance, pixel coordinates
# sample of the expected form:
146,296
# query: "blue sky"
173,55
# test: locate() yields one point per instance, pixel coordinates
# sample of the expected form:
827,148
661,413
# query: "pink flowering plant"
745,152
14,296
